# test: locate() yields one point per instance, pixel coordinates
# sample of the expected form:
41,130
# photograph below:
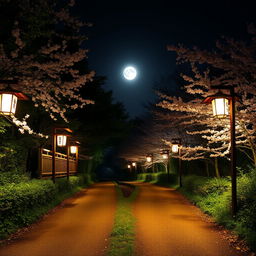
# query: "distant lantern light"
129,166
149,159
61,140
175,148
165,154
73,149
134,164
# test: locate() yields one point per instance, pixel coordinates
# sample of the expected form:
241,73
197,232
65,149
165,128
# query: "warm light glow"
175,148
8,103
133,164
165,156
130,73
149,159
220,107
61,140
129,166
73,149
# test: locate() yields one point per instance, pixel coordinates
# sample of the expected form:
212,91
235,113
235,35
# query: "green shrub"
12,177
159,178
213,196
24,202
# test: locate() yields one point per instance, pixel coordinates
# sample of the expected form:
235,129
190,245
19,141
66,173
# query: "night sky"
137,33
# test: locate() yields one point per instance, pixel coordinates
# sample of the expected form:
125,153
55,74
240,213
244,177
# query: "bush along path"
24,202
123,234
81,226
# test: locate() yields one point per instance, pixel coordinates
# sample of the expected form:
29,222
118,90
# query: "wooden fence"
45,164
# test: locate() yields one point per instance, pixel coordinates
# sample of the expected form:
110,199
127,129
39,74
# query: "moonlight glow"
130,73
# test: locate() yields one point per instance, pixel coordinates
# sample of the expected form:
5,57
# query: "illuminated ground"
80,228
167,225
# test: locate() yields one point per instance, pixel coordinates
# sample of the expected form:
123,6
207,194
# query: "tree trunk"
207,167
216,165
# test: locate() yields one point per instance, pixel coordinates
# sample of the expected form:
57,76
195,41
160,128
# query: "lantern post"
220,102
149,159
176,148
134,164
166,156
59,138
73,149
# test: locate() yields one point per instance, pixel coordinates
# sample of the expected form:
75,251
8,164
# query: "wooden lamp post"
176,148
222,106
60,138
166,155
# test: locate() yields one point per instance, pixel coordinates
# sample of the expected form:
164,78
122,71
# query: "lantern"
129,166
61,140
73,149
176,145
220,104
149,159
8,101
133,164
165,154
175,148
220,107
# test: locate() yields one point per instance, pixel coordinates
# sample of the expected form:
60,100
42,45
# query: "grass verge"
123,234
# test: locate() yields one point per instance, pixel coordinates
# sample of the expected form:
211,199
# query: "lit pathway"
167,225
80,228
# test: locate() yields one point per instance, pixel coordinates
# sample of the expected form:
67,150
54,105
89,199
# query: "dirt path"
167,225
80,228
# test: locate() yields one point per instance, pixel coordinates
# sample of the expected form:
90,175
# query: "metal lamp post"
221,109
60,137
176,148
166,155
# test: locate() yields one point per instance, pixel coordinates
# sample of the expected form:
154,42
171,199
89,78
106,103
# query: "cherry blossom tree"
232,63
43,51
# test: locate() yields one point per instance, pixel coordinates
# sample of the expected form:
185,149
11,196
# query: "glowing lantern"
149,159
134,164
73,149
175,148
61,140
165,154
129,166
176,145
8,102
220,104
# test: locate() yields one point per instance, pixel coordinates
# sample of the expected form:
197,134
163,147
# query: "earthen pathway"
81,228
168,225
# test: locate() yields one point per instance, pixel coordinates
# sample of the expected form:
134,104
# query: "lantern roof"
176,141
61,129
217,95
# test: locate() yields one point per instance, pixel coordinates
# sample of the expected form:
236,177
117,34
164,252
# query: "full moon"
130,73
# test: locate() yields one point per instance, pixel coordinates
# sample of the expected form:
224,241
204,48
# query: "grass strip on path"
123,234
